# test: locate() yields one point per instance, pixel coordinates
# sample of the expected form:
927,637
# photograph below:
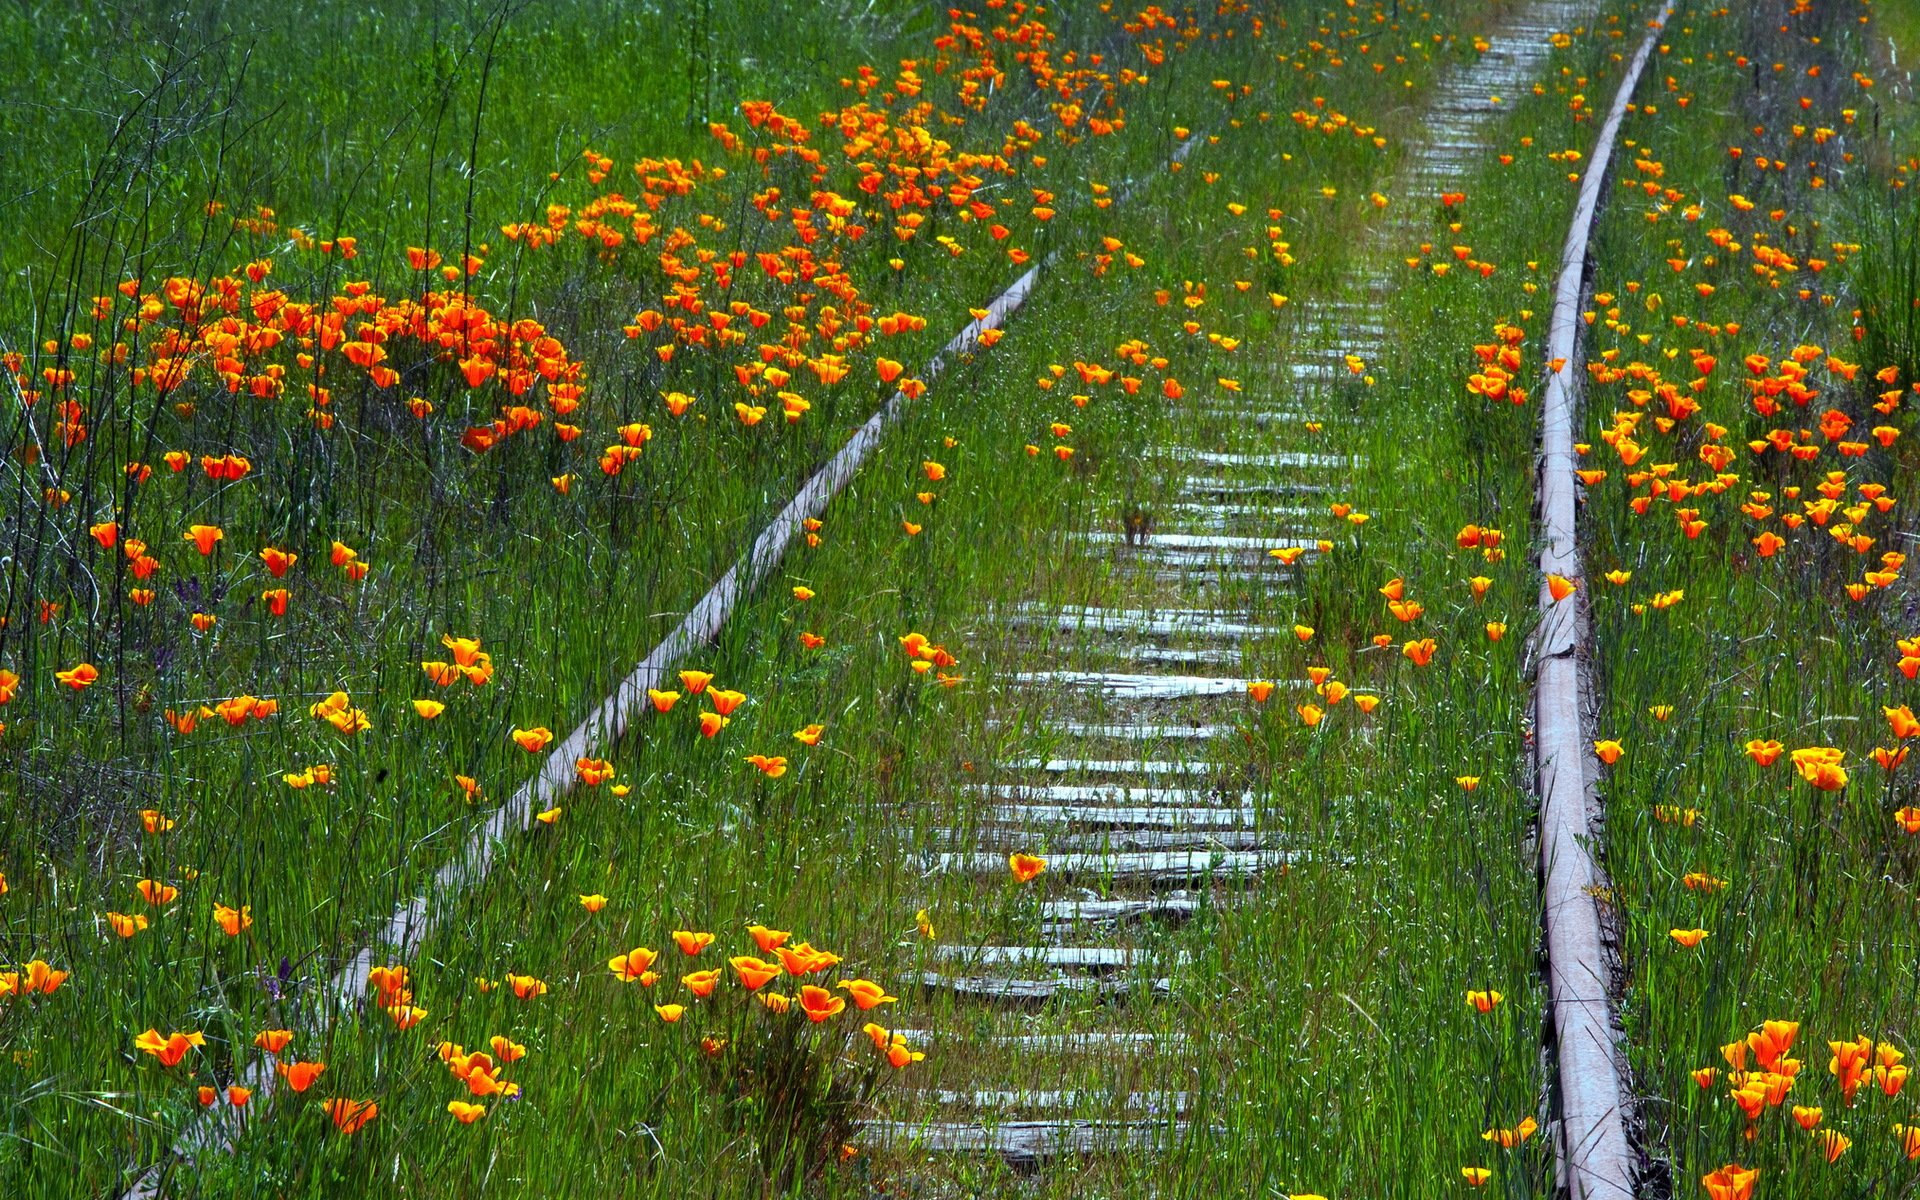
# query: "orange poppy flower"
1509,1138
593,771
754,974
866,993
350,1116
819,1004
803,959
772,766
203,537
1026,867
532,740
633,964
1902,721
899,1056
169,1049
36,978
526,987
691,943
79,677
233,921
1821,767
273,1041
1731,1182
300,1075
768,940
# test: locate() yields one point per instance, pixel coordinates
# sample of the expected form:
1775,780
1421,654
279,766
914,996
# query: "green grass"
1334,1053
1808,925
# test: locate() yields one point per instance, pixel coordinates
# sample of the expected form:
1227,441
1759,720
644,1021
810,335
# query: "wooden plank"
1087,1042
1222,516
1047,1100
1290,459
1220,542
1066,958
1162,623
1116,840
1117,794
1160,866
1132,686
1021,1141
997,989
1062,918
1175,656
1144,731
1110,766
1213,485
1035,816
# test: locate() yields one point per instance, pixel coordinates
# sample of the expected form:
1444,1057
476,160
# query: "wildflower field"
732,598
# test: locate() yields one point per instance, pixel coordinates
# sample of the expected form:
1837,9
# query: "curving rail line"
1594,1157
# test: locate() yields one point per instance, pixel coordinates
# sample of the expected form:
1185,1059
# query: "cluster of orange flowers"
712,721
195,341
170,1049
1761,1074
753,974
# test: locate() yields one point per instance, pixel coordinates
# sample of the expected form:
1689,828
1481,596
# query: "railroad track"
1147,814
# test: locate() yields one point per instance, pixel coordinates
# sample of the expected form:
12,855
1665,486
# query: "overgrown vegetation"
351,541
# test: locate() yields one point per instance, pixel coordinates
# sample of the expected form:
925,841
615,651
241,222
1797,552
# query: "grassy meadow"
385,384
